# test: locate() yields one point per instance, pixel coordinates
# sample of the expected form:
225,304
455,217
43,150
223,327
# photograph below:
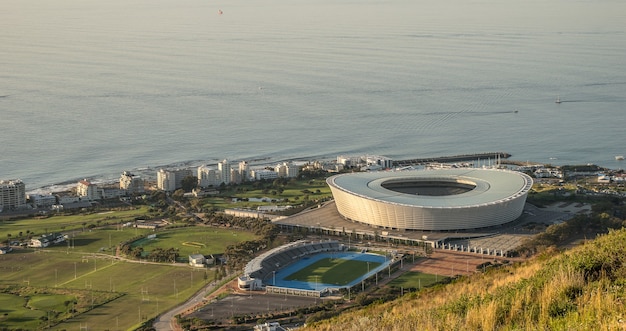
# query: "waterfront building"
87,190
66,198
281,170
131,183
42,200
287,170
208,176
12,194
260,174
223,168
292,170
378,161
111,192
235,177
171,180
347,161
244,171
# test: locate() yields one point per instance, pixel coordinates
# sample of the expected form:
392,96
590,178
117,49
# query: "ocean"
89,89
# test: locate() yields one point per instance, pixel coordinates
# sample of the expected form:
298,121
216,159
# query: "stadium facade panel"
434,200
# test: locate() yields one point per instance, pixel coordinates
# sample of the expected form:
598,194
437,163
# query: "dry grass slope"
582,289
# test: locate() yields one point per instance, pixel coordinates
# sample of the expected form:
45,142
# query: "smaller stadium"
312,269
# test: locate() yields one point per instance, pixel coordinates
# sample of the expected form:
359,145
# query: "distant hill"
581,289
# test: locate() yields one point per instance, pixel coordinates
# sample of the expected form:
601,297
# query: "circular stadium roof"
442,199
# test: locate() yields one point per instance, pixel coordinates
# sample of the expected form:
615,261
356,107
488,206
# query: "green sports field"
333,271
414,279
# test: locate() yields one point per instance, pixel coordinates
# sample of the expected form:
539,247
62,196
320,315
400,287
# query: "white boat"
558,99
619,157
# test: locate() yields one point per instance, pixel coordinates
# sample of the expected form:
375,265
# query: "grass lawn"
65,223
148,289
14,315
418,280
196,240
294,191
333,271
49,301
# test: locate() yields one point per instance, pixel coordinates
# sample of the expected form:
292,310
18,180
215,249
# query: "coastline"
149,172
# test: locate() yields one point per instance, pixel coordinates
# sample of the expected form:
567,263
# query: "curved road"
167,322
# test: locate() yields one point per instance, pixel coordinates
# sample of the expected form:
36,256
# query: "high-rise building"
244,171
287,169
12,194
281,169
293,170
208,176
171,180
223,168
131,183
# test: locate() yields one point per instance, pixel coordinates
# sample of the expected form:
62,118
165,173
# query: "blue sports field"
280,281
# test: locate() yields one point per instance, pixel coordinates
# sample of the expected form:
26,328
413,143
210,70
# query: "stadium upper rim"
485,197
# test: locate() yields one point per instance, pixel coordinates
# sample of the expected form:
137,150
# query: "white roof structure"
441,199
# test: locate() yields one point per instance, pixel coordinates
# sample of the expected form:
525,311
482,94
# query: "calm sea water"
91,88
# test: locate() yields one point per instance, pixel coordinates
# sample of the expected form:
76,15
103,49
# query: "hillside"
581,289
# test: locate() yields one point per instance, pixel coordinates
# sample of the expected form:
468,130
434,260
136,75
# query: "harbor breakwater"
455,158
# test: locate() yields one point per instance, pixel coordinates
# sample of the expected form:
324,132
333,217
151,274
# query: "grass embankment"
583,289
416,280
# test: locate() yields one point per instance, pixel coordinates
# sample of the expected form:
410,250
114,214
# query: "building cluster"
365,162
224,174
541,171
13,192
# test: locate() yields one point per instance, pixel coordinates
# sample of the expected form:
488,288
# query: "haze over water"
91,88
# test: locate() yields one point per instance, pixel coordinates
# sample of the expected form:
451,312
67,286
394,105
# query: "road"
167,322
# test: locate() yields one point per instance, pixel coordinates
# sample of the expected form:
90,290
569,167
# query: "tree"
178,195
189,183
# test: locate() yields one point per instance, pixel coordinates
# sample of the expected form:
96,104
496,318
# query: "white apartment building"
12,194
235,177
42,200
208,177
348,161
281,170
131,183
171,180
293,170
264,174
223,168
381,161
244,171
288,170
87,190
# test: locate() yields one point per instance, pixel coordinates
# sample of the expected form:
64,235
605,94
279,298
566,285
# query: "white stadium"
431,200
